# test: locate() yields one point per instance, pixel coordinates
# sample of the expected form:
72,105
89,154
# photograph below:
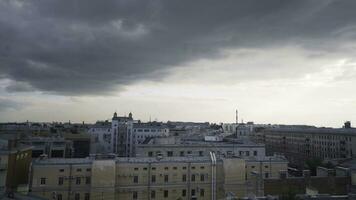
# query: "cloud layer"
95,47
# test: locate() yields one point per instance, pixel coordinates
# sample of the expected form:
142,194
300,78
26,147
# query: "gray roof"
338,131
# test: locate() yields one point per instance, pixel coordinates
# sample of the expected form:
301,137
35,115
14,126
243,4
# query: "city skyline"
276,62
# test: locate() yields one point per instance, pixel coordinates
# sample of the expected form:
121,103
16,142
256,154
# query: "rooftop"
312,130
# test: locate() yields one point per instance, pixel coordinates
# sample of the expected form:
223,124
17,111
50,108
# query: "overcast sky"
275,61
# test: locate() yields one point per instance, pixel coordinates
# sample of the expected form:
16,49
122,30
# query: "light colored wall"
115,180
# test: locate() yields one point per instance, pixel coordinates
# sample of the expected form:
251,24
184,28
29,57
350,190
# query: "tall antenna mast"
237,117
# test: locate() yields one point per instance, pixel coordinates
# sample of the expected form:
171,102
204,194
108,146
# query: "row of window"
150,130
193,193
167,168
76,196
200,153
21,156
78,180
193,178
78,170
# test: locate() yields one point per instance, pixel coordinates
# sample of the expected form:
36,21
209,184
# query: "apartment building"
148,178
100,135
143,131
301,143
121,135
200,148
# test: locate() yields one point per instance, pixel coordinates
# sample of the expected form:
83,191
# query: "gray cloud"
94,47
9,105
19,87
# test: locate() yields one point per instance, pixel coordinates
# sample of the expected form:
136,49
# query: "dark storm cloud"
93,47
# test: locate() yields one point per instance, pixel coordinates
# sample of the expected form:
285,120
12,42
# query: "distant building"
300,143
199,148
100,134
122,134
53,147
142,131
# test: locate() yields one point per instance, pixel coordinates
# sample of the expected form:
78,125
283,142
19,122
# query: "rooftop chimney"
347,124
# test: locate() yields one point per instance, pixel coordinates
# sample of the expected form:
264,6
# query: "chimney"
347,124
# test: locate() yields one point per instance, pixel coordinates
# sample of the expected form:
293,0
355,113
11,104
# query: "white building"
142,131
121,135
100,137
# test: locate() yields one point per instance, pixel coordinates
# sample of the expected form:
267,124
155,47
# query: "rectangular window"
166,178
79,170
136,169
150,154
59,197
153,178
247,153
169,153
184,193
201,153
61,170
88,169
181,153
87,196
60,180
134,195
201,192
87,180
77,196
153,194
202,177
193,177
165,194
77,180
255,153
43,181
184,177
135,179
193,192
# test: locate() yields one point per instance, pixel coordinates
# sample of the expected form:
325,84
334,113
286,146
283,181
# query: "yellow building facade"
145,178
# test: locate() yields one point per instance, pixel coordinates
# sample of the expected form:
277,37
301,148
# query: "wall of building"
301,144
139,178
3,171
51,185
19,162
297,185
200,150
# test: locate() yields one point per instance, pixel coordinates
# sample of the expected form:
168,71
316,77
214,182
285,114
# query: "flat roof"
145,160
311,130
